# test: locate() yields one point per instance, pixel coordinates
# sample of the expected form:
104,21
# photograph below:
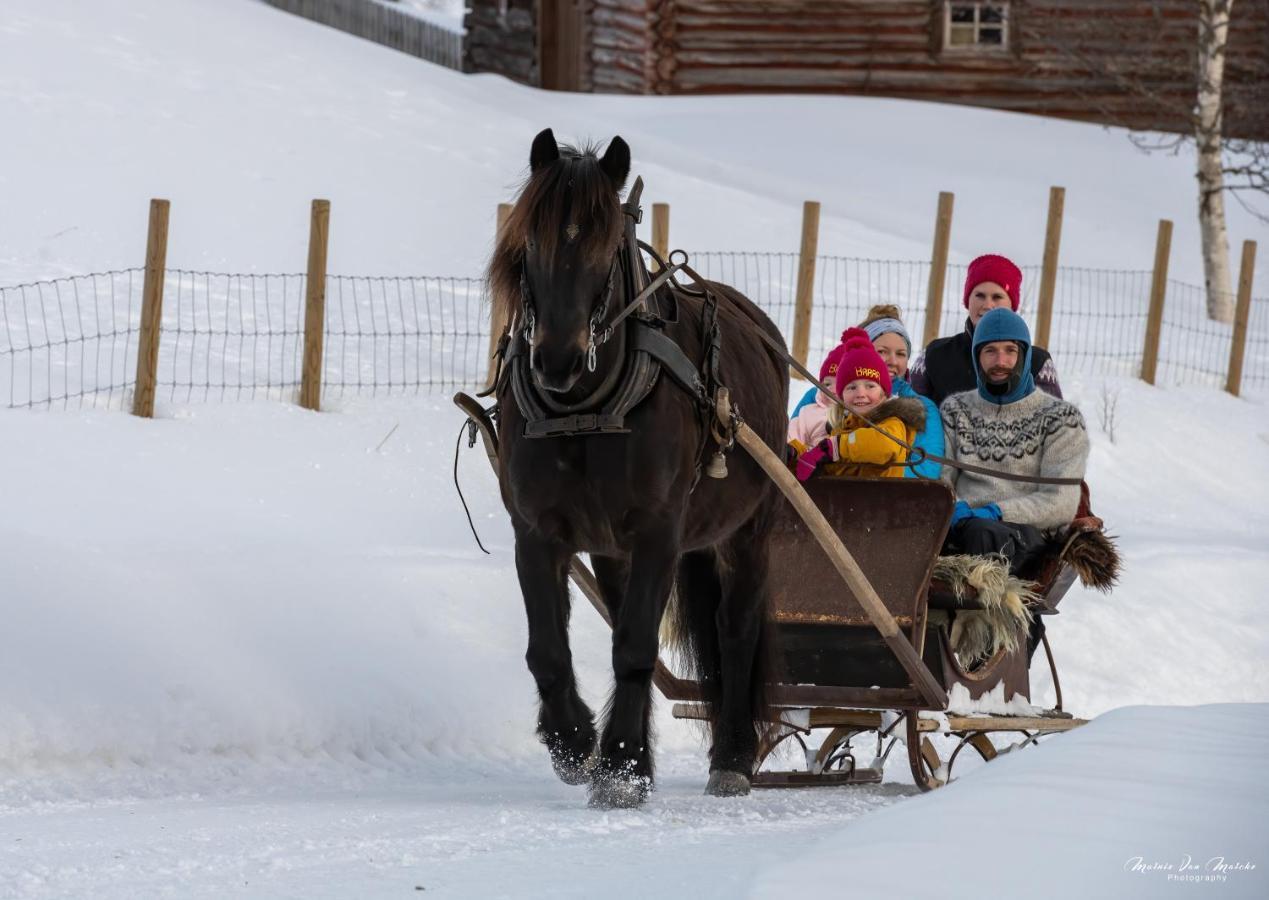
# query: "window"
975,26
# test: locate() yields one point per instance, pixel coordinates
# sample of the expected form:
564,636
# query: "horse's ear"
616,162
545,151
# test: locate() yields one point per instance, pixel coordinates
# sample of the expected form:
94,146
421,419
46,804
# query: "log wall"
1128,62
502,38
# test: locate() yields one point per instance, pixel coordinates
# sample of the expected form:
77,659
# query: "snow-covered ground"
252,651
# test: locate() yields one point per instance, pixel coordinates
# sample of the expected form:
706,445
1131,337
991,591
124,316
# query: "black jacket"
947,367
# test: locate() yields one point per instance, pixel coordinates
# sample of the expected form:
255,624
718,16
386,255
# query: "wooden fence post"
315,306
1048,275
1246,271
938,267
1158,290
660,231
806,280
497,317
151,310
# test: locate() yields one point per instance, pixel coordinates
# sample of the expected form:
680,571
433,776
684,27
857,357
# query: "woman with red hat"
861,440
947,365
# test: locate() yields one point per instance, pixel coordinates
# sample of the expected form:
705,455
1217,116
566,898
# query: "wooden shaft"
660,231
1158,290
315,306
845,564
938,267
806,281
151,309
1238,346
497,317
1048,275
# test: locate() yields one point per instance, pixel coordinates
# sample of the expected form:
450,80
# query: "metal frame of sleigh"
863,628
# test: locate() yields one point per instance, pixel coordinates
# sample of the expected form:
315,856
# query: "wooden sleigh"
862,631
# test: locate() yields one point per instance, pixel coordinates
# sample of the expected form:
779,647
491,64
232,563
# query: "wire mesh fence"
227,337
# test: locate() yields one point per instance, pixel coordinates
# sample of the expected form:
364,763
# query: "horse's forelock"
573,190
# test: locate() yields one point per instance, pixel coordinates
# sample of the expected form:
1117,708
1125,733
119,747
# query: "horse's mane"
572,190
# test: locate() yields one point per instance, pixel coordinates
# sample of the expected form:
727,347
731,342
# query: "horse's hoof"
571,770
573,765
619,793
727,784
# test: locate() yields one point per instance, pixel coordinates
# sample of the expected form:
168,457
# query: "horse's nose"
557,372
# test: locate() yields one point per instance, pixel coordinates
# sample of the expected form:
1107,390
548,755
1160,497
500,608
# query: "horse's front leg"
623,773
565,723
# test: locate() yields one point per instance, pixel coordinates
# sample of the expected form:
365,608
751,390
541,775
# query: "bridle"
598,313
595,337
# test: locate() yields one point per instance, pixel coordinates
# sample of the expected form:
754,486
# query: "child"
809,424
853,447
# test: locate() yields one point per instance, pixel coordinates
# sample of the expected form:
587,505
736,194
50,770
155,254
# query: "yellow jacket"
867,452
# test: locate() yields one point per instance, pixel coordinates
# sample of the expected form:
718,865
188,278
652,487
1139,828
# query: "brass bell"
717,467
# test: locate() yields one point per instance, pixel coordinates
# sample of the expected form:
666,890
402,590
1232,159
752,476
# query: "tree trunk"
1213,32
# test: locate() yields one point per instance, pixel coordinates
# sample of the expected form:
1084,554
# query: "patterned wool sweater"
1037,435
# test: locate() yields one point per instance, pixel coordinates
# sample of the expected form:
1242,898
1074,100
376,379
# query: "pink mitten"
809,461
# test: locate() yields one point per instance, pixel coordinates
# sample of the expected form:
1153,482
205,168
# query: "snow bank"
1142,803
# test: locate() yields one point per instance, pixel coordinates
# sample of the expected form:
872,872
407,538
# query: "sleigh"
862,631
841,677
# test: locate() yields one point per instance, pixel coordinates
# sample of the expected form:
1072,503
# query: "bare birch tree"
1144,71
1213,28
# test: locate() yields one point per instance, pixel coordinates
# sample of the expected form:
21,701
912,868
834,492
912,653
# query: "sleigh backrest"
893,527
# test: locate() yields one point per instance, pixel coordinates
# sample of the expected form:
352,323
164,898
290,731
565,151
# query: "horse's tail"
691,629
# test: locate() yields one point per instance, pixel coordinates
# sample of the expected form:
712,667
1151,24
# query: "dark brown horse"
635,500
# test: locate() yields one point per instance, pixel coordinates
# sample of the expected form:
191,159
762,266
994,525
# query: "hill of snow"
243,117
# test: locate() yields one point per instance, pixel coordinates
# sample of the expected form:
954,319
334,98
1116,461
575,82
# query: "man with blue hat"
1006,424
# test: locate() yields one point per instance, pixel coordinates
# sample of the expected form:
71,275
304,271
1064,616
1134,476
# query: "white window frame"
976,46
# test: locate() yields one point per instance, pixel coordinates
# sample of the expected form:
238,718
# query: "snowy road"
512,832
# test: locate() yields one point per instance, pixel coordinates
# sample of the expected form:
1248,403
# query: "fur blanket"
1090,552
978,634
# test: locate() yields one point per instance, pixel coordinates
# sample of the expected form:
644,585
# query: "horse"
630,494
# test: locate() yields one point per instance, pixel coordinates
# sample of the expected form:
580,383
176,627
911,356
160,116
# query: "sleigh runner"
868,678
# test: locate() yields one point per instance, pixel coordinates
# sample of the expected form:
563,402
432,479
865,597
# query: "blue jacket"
930,440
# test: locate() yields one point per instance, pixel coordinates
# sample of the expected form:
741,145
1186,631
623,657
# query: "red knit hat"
860,360
998,269
828,368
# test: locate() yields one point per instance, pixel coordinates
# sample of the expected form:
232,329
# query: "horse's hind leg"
623,773
565,722
741,618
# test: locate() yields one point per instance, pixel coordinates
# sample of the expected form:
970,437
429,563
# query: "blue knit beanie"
1004,325
888,326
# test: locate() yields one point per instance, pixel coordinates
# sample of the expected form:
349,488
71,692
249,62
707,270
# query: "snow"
253,651
447,13
254,112
991,703
1112,810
